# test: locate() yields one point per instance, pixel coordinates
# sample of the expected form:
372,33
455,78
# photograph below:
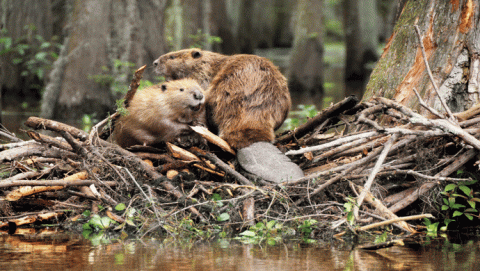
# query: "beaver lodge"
390,161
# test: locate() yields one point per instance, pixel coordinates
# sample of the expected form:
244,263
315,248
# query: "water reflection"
54,251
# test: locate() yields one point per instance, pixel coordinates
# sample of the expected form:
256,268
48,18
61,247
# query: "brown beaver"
247,96
162,113
247,99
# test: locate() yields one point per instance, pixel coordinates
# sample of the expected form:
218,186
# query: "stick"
374,172
333,110
450,115
388,222
460,161
422,103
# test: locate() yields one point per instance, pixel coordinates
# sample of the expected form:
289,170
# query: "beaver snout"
198,100
198,95
155,63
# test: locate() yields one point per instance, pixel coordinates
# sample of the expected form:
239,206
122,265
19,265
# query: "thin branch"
374,172
450,115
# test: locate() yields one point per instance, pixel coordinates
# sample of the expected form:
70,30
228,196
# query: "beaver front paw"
190,140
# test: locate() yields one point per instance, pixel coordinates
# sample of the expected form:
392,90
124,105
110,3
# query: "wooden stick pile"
378,152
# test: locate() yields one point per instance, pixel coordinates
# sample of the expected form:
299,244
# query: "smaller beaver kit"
162,113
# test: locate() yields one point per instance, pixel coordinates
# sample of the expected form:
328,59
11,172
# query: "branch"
450,115
374,172
334,110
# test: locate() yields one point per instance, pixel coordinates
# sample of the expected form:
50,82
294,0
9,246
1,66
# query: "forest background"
70,60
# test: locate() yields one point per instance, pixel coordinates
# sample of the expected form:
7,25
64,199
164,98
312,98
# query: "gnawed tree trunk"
102,35
451,36
305,73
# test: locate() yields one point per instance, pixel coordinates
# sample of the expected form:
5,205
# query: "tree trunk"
306,61
103,35
451,38
361,34
23,19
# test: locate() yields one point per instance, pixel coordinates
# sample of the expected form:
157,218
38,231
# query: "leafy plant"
381,238
269,231
31,52
349,210
98,223
432,228
306,229
461,192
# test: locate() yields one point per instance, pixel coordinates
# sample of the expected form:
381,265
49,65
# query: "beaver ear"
196,54
164,87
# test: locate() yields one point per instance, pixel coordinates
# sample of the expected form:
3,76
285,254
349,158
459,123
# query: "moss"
392,68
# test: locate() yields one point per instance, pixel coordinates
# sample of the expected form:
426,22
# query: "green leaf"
450,187
472,203
17,61
120,207
270,224
458,206
216,197
223,217
444,207
465,189
457,213
45,45
445,201
469,216
458,195
106,221
248,233
471,210
41,55
271,241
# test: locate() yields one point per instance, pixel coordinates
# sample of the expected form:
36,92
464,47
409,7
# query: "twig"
424,54
64,183
388,222
422,103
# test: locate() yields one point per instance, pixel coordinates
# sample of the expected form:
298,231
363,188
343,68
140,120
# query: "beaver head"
188,63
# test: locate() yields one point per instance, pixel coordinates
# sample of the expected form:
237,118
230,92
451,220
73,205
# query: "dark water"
59,251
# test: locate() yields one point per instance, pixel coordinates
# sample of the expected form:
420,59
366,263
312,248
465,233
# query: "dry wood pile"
378,152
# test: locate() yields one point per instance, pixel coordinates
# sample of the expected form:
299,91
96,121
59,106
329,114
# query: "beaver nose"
155,63
197,95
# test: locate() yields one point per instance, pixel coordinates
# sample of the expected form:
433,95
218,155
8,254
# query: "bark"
451,39
361,34
306,62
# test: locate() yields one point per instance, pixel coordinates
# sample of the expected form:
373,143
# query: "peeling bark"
451,39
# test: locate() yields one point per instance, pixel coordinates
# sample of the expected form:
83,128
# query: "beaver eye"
181,89
164,87
172,57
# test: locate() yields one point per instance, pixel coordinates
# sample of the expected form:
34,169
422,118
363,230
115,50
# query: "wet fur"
162,113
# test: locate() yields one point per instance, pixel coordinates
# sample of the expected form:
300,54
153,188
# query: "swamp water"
60,251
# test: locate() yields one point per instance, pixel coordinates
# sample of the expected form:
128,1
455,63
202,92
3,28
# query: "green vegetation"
31,53
460,200
299,116
201,40
268,231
